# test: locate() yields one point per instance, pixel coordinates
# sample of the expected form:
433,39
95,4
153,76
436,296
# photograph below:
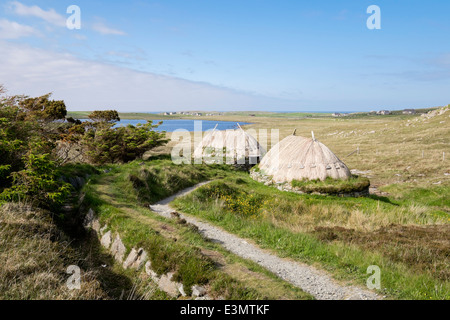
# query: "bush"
107,144
37,183
28,131
237,201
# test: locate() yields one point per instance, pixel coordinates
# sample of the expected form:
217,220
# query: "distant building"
384,112
166,113
409,111
337,114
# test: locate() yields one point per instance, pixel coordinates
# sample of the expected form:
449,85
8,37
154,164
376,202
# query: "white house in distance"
409,111
338,114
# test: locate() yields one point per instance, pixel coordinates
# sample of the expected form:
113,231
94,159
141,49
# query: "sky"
267,55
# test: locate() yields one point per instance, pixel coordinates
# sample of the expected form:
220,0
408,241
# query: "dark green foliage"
107,144
25,136
110,116
42,108
28,132
37,183
73,121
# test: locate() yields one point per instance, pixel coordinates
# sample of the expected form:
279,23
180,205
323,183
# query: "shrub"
28,131
107,144
236,201
37,183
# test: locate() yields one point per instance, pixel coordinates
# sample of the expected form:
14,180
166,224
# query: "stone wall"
138,259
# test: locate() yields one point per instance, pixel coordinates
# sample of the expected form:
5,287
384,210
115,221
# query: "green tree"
41,108
28,132
109,116
109,144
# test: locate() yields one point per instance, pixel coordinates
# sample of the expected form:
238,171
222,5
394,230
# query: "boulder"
167,285
96,225
106,240
132,257
198,291
135,259
142,257
181,289
118,249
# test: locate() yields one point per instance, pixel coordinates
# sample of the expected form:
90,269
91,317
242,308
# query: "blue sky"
229,55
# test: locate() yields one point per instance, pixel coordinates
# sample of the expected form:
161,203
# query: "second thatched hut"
230,146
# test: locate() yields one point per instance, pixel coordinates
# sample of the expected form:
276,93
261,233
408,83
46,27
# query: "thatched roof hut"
237,145
299,158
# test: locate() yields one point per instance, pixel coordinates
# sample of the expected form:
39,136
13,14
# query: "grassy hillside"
404,227
121,199
35,255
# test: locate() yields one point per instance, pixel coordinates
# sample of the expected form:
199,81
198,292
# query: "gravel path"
316,282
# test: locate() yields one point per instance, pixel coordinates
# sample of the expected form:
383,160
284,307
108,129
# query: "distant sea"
274,111
172,125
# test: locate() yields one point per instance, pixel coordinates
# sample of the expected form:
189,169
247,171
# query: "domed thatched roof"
298,158
234,144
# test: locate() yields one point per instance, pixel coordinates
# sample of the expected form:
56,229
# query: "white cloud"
54,18
14,30
51,16
104,30
88,85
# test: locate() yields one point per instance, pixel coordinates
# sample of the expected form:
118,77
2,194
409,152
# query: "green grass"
173,247
341,235
280,226
35,255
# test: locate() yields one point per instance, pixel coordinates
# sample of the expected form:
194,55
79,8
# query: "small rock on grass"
132,257
167,285
118,249
181,289
106,240
198,291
